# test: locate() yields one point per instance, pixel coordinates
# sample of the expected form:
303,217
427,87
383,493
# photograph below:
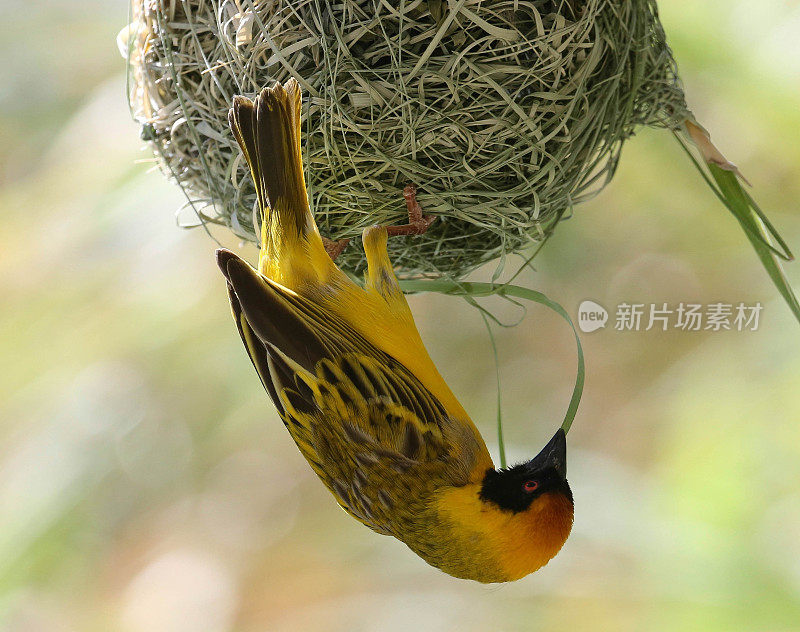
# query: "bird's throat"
514,544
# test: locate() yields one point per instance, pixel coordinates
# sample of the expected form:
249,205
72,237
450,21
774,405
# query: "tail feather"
241,120
268,132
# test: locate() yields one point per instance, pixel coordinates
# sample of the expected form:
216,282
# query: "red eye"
530,486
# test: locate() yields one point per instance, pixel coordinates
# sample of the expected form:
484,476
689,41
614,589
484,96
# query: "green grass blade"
477,290
745,209
500,440
759,231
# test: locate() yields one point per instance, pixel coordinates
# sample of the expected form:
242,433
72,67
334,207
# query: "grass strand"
479,290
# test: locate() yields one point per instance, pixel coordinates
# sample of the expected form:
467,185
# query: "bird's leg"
380,275
417,222
380,278
417,225
334,248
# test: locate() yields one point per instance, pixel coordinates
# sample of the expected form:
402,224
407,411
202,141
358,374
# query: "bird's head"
535,502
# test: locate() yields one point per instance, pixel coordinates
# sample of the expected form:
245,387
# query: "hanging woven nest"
504,114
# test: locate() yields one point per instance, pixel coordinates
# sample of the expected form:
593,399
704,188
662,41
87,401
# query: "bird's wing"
359,416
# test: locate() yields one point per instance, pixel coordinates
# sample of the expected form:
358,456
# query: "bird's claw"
418,223
334,248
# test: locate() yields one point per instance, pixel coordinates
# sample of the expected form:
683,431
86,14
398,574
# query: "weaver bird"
355,387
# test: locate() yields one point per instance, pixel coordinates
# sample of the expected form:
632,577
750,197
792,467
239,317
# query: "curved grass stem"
471,291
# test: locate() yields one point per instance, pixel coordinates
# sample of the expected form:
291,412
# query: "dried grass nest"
504,113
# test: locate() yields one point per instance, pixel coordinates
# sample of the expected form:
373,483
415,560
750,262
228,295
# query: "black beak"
554,454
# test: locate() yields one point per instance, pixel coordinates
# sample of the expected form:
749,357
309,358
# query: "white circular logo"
591,316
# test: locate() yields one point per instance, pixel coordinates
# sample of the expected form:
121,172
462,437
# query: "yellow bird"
355,387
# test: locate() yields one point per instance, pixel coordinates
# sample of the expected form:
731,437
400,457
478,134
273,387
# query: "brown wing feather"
298,331
256,350
358,416
271,316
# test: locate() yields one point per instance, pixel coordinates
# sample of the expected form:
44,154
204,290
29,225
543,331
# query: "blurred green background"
146,484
